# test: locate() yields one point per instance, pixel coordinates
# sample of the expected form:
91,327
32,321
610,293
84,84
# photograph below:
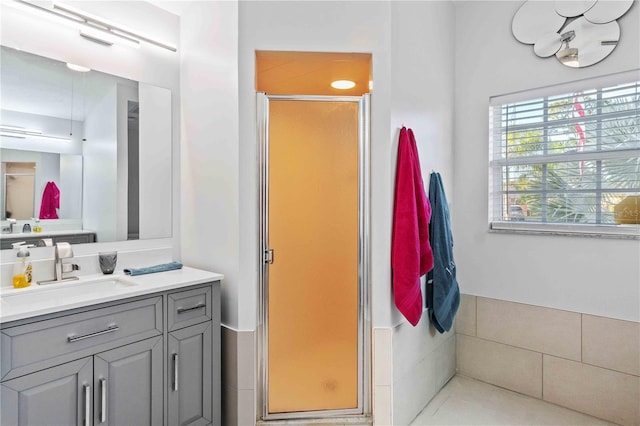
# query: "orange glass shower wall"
313,230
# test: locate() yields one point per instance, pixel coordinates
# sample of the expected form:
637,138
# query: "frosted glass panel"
313,230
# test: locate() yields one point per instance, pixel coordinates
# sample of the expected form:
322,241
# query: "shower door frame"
364,209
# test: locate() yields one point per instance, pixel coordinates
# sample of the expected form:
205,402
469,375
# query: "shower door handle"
268,256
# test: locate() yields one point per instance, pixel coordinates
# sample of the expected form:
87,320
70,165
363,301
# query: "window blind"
565,159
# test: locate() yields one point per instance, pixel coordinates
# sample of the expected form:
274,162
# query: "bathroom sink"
83,289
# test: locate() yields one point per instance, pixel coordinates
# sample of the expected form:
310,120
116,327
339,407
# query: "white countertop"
38,299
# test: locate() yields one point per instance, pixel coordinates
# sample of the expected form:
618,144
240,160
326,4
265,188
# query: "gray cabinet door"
59,395
128,385
190,375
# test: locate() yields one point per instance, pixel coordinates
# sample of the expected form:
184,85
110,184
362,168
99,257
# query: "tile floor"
465,401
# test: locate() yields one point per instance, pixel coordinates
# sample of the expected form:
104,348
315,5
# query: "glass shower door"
313,315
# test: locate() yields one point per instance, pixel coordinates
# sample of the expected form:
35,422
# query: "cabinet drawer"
35,346
189,307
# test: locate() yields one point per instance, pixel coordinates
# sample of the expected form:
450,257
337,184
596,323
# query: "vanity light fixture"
92,27
22,133
343,84
568,55
78,68
106,38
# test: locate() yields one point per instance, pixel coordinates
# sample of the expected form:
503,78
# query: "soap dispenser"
22,269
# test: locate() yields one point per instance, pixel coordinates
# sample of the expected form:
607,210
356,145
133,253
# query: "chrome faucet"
62,251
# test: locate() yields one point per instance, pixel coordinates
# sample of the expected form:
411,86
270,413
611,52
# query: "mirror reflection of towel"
50,201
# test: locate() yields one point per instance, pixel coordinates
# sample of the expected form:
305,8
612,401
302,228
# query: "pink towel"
50,201
411,255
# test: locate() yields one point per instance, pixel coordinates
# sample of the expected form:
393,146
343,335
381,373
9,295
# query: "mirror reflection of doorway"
19,190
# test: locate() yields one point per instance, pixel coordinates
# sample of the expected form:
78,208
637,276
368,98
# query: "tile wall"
422,362
238,377
586,363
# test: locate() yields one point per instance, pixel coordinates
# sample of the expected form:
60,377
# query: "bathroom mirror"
534,19
572,8
579,33
110,138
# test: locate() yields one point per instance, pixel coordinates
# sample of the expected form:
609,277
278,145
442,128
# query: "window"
562,162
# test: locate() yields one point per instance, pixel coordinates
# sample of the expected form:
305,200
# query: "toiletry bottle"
22,270
36,226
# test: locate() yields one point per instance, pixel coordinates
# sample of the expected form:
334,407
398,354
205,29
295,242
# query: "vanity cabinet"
106,389
56,396
127,384
150,360
189,401
190,357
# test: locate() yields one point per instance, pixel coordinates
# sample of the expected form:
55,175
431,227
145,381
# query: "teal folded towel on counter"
155,268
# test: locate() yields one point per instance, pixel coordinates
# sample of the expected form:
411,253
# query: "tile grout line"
475,325
581,338
542,378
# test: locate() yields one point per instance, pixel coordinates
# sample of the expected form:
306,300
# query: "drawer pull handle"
110,329
175,372
198,306
103,400
87,405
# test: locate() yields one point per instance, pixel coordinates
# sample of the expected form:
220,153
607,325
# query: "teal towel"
152,269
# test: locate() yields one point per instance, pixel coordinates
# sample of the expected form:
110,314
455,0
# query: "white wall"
209,142
590,275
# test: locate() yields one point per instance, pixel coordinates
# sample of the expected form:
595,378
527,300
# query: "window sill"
628,232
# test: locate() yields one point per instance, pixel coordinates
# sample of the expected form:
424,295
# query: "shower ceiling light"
343,84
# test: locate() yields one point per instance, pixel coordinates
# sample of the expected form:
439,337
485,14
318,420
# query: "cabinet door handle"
103,400
198,306
87,405
109,329
175,372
